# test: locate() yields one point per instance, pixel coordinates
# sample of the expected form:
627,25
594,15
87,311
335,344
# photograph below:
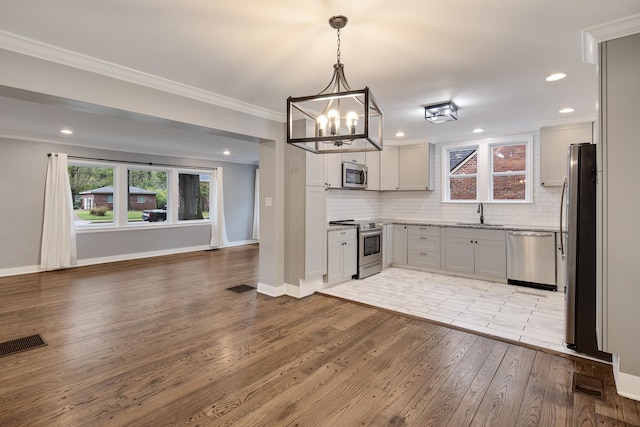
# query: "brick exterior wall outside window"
463,181
511,159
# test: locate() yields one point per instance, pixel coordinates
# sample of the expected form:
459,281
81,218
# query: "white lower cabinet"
399,244
342,260
387,245
476,252
423,246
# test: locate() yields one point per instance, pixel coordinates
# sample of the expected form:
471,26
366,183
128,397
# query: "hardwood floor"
162,342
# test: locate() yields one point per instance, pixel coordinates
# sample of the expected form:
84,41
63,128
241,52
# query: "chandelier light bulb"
352,121
322,125
334,121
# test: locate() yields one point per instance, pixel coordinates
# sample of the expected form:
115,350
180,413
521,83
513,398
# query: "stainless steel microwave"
354,175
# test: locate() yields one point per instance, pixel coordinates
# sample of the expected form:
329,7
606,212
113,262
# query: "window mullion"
120,182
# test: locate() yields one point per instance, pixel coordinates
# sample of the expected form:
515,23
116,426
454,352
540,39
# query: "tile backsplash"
428,205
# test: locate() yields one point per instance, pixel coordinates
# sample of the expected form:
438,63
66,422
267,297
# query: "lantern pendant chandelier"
338,119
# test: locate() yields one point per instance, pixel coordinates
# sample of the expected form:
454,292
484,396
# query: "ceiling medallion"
338,119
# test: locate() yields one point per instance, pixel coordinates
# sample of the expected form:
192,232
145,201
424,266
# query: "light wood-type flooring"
163,342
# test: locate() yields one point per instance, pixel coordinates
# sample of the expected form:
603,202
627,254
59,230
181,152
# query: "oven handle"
369,233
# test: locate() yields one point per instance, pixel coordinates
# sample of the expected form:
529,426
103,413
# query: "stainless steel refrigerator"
580,296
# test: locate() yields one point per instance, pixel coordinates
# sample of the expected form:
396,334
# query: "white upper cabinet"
389,168
416,167
333,169
554,143
315,169
358,157
373,169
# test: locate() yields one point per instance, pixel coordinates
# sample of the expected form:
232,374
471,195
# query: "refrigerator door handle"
564,187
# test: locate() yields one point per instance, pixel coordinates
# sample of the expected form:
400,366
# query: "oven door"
370,247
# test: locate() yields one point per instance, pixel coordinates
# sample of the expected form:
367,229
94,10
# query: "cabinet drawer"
341,235
430,243
424,258
475,233
423,230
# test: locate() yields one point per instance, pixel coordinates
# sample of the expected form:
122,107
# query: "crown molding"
37,49
608,31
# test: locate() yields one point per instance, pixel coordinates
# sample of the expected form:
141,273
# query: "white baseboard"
627,385
124,257
304,289
272,291
19,270
141,255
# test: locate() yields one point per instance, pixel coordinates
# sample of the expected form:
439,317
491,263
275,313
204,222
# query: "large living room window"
496,170
109,194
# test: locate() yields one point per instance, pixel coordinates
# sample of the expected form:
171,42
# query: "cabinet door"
460,255
387,242
315,169
389,168
335,266
491,258
400,244
554,143
416,167
350,259
373,170
358,157
315,231
333,169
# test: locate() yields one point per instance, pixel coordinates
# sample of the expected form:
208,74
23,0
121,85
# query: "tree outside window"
193,201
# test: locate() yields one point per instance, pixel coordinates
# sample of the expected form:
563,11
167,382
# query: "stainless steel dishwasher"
531,259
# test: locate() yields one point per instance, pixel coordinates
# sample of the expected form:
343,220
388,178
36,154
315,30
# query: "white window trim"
484,173
120,182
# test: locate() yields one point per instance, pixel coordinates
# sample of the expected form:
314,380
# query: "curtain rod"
135,163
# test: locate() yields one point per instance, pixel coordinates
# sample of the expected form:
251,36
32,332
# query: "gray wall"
23,166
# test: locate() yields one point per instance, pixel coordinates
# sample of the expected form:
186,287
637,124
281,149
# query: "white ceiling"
490,57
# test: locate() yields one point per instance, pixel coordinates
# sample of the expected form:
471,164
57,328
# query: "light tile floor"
517,313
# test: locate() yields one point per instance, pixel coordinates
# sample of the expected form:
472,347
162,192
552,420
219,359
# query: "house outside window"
499,170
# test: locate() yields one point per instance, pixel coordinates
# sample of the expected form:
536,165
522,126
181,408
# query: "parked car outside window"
154,215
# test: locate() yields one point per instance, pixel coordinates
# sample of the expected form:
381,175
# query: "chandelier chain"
338,51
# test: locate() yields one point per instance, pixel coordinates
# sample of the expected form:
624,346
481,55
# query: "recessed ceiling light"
66,131
400,134
556,76
478,130
566,110
226,152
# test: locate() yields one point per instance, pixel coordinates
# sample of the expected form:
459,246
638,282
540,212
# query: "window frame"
484,174
120,182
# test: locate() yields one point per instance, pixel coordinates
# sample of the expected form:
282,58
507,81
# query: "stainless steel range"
369,246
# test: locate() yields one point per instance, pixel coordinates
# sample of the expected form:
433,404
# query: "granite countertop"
486,226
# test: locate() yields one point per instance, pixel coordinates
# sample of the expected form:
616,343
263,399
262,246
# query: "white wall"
428,206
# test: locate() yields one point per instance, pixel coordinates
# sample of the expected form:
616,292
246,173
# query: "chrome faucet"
481,212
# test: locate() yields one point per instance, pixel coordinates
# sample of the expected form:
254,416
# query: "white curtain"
218,228
256,208
58,232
